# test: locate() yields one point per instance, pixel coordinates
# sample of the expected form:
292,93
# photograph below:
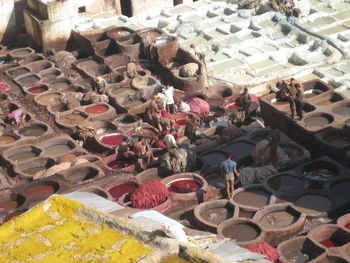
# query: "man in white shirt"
173,148
170,140
169,93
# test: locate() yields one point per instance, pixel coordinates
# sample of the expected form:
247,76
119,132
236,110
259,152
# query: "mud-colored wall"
7,21
144,6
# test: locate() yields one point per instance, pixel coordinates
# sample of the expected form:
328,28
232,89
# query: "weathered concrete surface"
143,6
7,21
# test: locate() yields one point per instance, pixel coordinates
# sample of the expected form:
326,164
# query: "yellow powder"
175,259
53,232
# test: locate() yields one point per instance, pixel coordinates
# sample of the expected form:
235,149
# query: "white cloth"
169,140
169,93
184,107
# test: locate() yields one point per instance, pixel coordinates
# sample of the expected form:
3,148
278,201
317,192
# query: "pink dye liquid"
347,226
119,190
181,122
96,109
184,186
37,90
113,139
118,164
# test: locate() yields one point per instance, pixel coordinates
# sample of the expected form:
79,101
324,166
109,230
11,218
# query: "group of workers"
293,93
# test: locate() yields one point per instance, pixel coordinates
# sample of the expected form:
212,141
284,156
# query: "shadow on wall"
126,7
10,33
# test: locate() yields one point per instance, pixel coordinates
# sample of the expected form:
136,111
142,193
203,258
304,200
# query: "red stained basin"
347,226
181,122
184,186
331,243
4,86
117,191
97,109
112,139
37,90
116,164
42,191
233,107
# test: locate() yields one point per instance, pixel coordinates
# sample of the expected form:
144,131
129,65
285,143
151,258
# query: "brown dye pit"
87,64
278,219
217,215
344,111
286,184
33,170
22,156
325,103
42,191
252,197
279,103
71,119
21,53
9,205
49,76
57,149
6,140
317,121
59,85
18,72
49,99
28,80
240,232
297,257
123,92
246,214
35,131
337,140
133,103
313,203
213,159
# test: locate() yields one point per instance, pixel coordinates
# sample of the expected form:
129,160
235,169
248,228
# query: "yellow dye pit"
175,259
54,232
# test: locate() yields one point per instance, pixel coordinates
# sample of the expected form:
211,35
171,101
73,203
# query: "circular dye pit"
233,107
23,156
81,174
8,205
98,109
28,80
21,52
33,170
212,159
37,90
180,122
286,184
340,192
216,180
57,149
343,111
123,92
278,219
6,140
71,119
111,139
313,203
241,232
18,72
317,121
337,140
133,103
118,191
60,85
40,192
240,149
116,164
49,99
34,130
217,215
312,93
184,186
252,197
320,171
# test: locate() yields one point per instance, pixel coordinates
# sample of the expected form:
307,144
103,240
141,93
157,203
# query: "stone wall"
144,6
7,21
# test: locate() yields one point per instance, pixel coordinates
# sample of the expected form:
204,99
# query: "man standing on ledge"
229,169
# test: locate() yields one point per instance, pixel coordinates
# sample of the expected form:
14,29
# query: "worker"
200,55
162,100
17,117
292,92
191,127
139,151
131,70
299,101
123,151
246,101
101,83
168,91
173,148
287,95
229,170
154,104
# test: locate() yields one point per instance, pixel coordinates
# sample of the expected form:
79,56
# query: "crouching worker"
229,169
17,117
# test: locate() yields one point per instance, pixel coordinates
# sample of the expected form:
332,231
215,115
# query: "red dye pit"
96,109
4,86
184,186
40,191
233,107
330,243
116,164
347,226
112,139
37,90
181,122
122,189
